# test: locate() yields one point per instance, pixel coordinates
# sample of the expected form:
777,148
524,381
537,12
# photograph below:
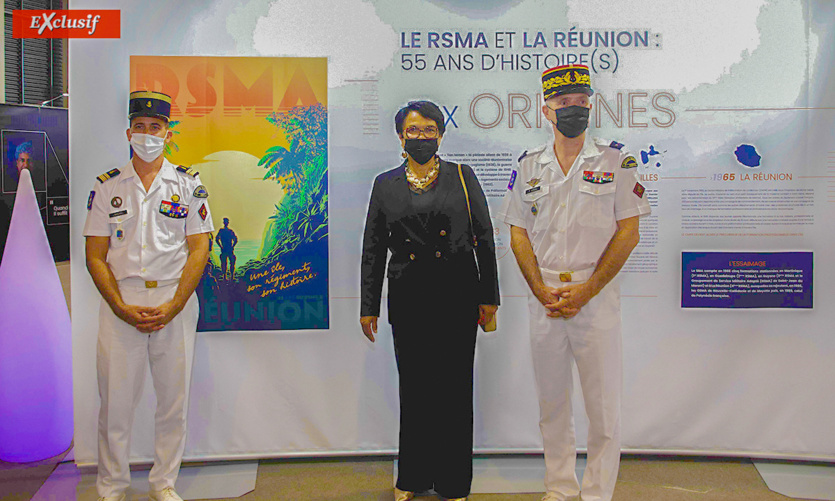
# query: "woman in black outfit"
438,292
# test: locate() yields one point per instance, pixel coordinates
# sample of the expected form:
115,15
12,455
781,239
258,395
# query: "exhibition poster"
256,131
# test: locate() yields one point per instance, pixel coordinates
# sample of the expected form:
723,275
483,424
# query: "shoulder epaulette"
109,174
187,170
523,156
616,145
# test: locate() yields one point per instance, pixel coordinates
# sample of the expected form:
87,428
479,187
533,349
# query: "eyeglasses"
414,132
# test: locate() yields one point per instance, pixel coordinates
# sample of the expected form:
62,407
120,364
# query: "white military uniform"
147,233
570,220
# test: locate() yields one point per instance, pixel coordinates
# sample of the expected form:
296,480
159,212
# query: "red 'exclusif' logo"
66,24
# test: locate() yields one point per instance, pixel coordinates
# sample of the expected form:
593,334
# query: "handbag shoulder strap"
469,211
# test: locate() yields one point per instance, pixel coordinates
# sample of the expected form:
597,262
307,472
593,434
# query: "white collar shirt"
148,230
570,218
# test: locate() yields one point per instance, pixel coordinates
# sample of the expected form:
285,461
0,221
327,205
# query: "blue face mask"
572,120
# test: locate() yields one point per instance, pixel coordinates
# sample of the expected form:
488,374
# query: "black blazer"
430,258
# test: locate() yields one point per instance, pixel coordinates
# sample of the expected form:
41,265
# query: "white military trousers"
123,354
592,339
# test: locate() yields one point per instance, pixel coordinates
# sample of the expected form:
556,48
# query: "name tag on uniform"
173,209
120,216
532,190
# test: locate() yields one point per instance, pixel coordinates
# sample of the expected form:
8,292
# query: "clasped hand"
566,302
149,319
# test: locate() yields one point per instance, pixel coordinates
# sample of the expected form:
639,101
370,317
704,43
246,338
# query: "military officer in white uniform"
573,206
147,243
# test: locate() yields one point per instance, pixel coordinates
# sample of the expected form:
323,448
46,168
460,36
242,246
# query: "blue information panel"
746,279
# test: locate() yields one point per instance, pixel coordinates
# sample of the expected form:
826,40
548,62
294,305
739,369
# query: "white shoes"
167,494
553,496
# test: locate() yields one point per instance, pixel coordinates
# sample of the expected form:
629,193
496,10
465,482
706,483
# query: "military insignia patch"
203,212
534,209
598,177
116,202
200,192
120,234
616,145
629,163
187,170
638,190
107,175
512,181
173,210
175,198
90,200
533,182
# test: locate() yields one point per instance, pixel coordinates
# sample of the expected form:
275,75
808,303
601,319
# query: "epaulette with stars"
108,175
616,145
187,170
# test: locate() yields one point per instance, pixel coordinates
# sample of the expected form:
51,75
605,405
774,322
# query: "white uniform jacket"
571,218
148,230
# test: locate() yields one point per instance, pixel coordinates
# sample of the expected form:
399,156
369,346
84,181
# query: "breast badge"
534,209
173,209
534,186
116,202
598,177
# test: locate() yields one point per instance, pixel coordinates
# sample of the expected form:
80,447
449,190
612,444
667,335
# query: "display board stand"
806,481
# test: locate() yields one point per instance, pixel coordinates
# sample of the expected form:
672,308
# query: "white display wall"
690,81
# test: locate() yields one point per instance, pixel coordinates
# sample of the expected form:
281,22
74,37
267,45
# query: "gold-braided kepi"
148,103
566,79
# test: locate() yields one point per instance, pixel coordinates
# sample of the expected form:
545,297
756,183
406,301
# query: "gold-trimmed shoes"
403,495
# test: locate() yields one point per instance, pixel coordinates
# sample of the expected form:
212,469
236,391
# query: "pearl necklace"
421,184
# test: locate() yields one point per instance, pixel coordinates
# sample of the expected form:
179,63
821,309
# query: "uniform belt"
567,276
148,284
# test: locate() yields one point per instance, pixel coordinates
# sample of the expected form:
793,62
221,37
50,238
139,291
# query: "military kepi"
566,79
147,103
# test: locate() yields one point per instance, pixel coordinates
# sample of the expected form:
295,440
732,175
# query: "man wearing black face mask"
573,206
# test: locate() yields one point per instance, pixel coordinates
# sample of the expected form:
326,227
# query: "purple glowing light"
36,416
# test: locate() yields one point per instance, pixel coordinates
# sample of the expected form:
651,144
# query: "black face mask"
421,150
572,120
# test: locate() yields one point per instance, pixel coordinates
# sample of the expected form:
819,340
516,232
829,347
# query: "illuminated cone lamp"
36,419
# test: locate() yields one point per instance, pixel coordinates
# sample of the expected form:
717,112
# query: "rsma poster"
256,131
